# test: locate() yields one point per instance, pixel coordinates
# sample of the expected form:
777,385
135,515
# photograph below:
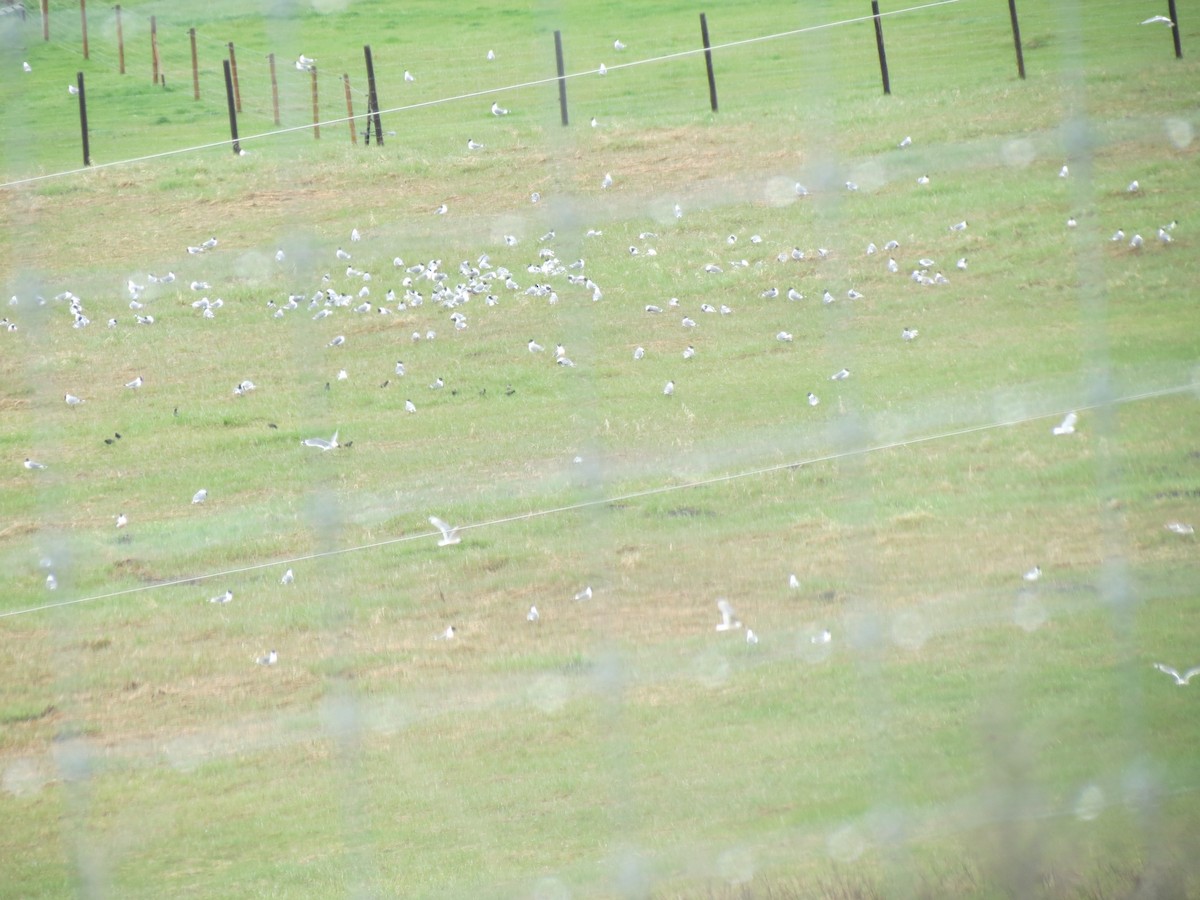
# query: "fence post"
1174,16
1016,29
274,88
120,41
154,46
887,84
349,108
237,91
237,149
712,82
45,20
83,25
83,125
372,98
195,66
316,106
562,76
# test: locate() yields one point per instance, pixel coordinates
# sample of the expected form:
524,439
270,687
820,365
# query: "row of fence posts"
234,98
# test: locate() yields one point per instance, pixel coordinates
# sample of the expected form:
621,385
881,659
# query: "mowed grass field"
961,732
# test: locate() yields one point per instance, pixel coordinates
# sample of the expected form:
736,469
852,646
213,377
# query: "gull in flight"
288,577
498,110
449,532
1175,527
1067,426
322,444
200,496
585,594
222,598
1159,20
269,660
728,622
33,464
532,615
1180,680
446,635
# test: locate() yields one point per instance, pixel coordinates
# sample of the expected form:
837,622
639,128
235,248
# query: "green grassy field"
963,732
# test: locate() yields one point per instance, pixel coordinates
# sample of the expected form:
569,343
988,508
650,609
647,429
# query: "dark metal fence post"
237,148
562,76
83,25
1016,28
83,125
372,98
195,66
887,84
237,91
349,108
712,82
45,20
274,87
120,42
1174,16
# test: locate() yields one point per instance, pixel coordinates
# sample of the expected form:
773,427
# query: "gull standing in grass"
585,594
1033,574
135,384
200,496
269,660
222,598
72,400
532,615
122,520
498,110
288,577
446,635
33,464
813,399
449,532
1180,680
1180,528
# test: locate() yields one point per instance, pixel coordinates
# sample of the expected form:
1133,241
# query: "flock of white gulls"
421,287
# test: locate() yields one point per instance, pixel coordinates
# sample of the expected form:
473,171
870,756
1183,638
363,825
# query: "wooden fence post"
712,82
883,68
83,125
120,41
237,92
1016,30
154,46
274,87
195,66
83,25
562,76
316,106
233,132
45,20
349,108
